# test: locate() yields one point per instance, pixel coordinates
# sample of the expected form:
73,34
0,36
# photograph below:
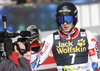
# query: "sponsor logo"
57,37
68,47
92,52
64,9
96,47
83,34
44,50
68,68
80,67
81,42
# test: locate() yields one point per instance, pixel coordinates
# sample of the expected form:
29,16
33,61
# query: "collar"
69,35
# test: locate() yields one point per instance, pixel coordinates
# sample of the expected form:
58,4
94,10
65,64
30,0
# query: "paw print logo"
81,42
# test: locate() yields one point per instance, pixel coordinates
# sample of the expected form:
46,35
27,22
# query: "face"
67,27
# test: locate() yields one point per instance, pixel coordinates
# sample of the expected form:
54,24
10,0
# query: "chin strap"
71,29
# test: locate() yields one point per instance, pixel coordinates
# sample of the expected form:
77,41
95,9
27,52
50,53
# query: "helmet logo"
64,9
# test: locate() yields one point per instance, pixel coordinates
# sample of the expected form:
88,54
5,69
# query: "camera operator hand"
22,46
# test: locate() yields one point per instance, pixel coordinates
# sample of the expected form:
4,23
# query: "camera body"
6,45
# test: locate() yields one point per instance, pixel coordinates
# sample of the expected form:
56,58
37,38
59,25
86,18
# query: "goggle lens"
63,19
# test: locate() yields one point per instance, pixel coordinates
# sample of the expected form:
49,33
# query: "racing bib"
70,51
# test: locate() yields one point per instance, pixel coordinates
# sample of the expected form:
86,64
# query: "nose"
65,23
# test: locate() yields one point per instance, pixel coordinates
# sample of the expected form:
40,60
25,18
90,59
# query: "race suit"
69,49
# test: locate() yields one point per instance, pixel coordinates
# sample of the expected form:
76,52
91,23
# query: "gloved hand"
95,66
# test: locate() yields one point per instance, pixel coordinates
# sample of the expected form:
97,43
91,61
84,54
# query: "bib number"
73,57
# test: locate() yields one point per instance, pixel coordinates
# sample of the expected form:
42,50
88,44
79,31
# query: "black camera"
6,45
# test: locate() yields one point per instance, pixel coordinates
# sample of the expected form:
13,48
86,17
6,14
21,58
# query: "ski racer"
71,46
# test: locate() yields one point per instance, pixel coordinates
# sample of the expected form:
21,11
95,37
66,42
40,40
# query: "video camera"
6,45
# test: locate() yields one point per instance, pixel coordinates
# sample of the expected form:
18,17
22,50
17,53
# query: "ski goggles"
62,19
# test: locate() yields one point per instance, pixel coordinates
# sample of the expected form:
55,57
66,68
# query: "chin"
66,31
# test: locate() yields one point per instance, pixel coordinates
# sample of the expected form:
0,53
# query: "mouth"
66,28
